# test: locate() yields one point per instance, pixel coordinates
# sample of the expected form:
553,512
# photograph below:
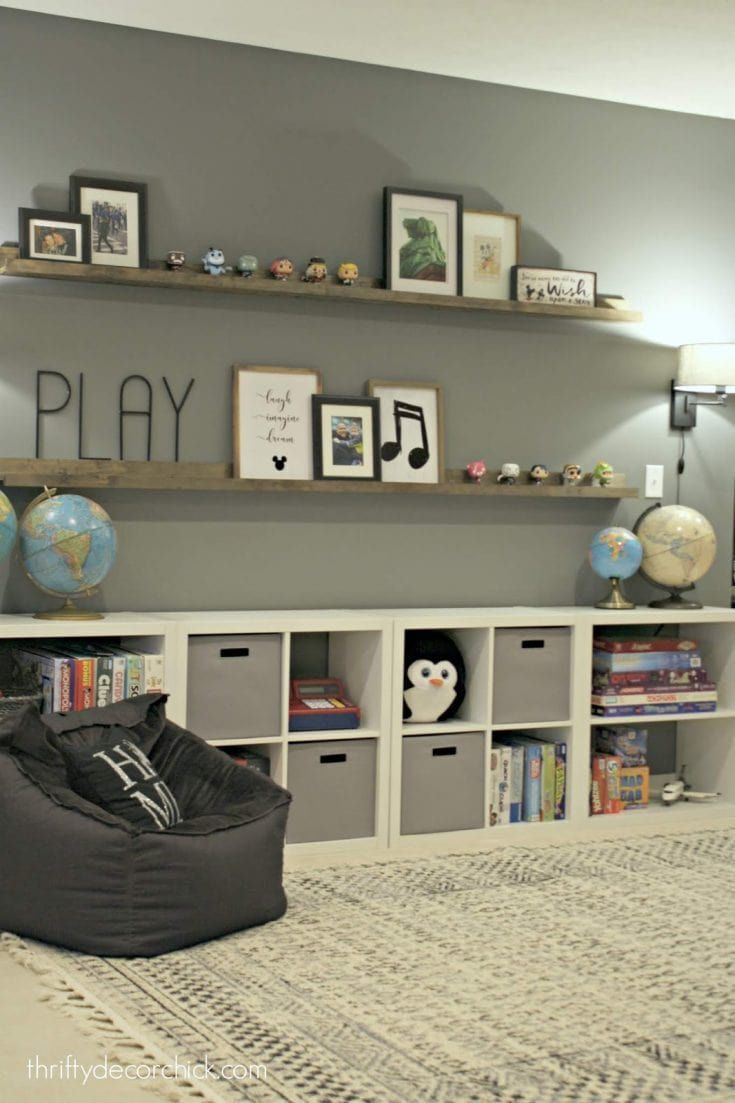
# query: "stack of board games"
619,774
528,779
629,746
77,675
649,676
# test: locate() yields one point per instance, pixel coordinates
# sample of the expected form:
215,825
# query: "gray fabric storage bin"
333,788
234,686
443,782
531,675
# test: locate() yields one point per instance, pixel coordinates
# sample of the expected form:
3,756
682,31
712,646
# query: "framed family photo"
411,431
422,241
118,213
272,426
53,235
491,243
346,437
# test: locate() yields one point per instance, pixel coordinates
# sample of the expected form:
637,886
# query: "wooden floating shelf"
366,290
154,475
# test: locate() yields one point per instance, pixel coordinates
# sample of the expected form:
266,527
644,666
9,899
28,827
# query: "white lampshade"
705,369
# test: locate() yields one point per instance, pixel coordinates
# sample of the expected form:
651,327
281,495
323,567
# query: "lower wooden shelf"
154,475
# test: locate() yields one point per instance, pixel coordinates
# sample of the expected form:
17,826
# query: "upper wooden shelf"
366,290
154,475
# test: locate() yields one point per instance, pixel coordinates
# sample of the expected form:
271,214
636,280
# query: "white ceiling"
675,54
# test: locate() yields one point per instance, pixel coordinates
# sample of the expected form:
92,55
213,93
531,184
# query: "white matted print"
411,431
423,242
117,209
272,433
491,244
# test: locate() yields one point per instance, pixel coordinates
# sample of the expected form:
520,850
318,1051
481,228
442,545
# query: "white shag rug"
586,973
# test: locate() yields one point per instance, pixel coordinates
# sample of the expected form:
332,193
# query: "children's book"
504,784
516,776
494,786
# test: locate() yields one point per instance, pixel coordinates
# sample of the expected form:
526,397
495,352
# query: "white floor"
30,1028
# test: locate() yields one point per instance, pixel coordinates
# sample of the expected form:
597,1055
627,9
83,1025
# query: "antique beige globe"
679,547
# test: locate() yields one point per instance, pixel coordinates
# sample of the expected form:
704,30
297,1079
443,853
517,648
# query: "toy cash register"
319,704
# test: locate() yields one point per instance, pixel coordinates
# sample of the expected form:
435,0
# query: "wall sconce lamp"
705,377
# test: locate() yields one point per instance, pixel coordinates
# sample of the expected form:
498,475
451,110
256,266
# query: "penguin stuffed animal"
434,677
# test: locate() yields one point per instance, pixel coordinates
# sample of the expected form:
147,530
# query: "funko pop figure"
175,260
316,270
247,265
476,470
602,473
214,261
571,474
539,474
347,273
509,473
281,268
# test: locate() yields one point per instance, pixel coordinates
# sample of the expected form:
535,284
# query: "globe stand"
675,600
616,599
69,611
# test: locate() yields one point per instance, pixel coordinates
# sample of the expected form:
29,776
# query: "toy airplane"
682,790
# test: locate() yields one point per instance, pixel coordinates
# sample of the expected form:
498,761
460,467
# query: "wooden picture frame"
422,241
119,213
272,421
346,437
53,236
417,409
491,246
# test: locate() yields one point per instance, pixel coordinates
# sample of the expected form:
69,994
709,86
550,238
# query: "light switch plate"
654,480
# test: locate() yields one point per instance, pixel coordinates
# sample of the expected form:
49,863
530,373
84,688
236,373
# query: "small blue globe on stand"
67,545
615,553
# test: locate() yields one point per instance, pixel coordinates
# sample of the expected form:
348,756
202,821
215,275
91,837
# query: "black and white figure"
434,677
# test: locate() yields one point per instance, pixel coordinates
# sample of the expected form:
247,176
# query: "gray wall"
272,152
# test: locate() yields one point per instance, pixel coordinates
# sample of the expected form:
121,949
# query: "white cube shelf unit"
380,796
340,791
705,742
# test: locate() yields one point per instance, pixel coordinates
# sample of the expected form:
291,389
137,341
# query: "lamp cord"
680,465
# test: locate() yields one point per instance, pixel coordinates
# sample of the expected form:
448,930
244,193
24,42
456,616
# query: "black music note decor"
411,430
418,456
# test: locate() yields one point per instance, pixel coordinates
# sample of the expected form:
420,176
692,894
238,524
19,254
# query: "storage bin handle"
332,757
437,751
234,652
533,643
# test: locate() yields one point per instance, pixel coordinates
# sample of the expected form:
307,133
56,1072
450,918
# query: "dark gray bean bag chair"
74,874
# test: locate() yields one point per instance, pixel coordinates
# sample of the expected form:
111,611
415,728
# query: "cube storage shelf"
394,786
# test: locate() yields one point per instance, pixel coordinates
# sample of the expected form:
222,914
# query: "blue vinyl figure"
214,261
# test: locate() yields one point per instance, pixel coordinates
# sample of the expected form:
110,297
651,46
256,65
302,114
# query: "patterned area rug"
587,973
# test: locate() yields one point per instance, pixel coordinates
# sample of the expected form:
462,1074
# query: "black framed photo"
346,433
422,242
53,235
118,210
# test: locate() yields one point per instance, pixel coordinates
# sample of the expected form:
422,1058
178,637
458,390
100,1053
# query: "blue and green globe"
8,526
67,544
615,553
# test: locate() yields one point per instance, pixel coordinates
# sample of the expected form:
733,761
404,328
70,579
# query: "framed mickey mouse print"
272,426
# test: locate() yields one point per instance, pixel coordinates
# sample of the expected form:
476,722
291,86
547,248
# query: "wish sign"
554,286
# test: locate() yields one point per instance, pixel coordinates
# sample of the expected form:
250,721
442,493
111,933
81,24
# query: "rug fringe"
103,1028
